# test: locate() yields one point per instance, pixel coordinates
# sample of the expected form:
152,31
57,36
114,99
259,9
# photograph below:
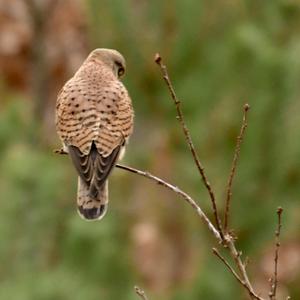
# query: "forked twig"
141,293
234,165
236,255
226,263
238,278
227,239
179,192
274,280
189,141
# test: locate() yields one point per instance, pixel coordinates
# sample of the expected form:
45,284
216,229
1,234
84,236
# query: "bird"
94,120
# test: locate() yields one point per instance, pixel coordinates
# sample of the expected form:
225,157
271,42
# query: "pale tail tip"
92,214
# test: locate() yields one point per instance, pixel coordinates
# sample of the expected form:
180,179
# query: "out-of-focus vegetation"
220,55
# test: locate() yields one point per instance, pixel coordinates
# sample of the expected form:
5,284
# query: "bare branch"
224,237
234,165
179,192
188,139
274,280
217,253
228,239
140,293
243,283
241,266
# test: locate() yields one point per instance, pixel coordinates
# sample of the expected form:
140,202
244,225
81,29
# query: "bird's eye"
121,71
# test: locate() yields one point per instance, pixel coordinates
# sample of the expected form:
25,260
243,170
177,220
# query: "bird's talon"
60,151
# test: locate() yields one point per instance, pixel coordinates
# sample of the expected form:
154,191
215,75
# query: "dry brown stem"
236,255
227,240
274,280
234,165
189,141
230,268
226,263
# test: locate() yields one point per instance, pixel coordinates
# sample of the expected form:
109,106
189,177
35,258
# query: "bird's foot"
60,151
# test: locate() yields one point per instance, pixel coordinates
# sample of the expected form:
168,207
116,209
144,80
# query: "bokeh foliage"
220,55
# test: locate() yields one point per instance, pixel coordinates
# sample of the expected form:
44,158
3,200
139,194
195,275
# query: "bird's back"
94,106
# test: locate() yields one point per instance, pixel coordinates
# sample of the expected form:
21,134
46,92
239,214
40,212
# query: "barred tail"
91,208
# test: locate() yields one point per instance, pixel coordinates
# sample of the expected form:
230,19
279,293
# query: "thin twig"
274,280
241,266
141,293
188,138
234,165
176,190
217,253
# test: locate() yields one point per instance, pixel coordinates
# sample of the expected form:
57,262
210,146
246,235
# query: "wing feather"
102,168
93,168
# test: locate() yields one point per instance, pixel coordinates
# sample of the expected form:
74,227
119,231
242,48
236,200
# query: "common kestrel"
94,119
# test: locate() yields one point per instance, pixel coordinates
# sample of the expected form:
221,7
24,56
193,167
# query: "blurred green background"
220,54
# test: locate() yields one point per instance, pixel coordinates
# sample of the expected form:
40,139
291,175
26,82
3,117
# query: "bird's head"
112,58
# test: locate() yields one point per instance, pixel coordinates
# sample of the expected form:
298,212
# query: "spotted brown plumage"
94,119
